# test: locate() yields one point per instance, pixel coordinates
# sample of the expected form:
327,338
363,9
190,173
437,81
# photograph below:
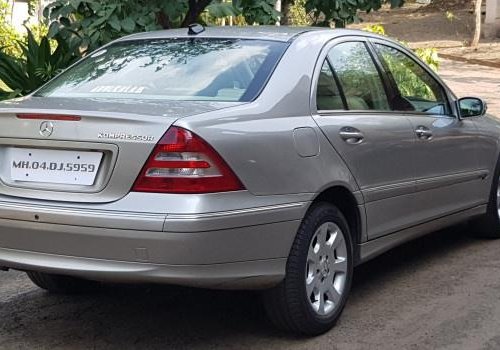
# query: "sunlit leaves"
38,64
259,11
342,12
88,24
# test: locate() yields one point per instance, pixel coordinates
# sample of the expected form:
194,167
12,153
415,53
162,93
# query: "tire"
295,305
61,284
488,225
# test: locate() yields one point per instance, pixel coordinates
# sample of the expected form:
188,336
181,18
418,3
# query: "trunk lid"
46,158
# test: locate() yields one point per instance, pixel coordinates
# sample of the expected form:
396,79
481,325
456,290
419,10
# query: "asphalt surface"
473,80
439,292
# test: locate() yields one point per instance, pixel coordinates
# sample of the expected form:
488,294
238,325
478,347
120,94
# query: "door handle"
423,133
351,135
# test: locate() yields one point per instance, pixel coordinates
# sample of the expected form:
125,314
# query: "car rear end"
98,181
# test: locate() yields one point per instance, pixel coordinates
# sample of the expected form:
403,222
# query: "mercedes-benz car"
264,158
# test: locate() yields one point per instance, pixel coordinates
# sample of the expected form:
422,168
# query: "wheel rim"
326,270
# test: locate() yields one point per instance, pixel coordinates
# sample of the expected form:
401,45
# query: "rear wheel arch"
319,273
346,202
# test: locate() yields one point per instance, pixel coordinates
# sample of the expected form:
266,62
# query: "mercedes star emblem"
46,128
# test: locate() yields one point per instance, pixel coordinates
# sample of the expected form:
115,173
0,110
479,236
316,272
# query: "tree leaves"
259,11
219,9
89,24
128,25
37,65
343,12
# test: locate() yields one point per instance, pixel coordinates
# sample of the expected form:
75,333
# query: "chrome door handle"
351,135
423,133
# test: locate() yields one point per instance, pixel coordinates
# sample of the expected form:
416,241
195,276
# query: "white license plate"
54,166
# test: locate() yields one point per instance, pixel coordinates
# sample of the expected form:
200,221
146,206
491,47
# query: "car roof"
275,33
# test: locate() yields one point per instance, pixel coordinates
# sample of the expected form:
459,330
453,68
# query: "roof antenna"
195,29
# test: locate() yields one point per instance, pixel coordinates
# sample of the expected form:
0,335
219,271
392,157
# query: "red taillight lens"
183,162
36,116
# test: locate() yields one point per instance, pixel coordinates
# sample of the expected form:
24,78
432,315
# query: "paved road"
439,292
473,80
442,291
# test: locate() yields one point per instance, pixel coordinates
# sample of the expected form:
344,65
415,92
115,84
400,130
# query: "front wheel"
488,225
318,275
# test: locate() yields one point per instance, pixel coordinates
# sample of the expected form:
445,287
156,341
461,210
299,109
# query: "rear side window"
328,96
358,76
417,90
172,69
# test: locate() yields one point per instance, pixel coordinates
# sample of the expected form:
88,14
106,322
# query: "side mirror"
471,107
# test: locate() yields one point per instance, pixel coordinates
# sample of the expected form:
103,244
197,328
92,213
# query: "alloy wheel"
326,270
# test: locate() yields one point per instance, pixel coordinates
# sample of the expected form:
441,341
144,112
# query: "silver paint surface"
404,187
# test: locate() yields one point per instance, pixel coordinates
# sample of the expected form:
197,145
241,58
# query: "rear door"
448,178
352,109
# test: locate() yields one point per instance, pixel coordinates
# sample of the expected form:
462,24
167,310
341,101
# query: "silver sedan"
252,158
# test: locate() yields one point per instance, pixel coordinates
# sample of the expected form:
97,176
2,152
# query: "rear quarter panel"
257,139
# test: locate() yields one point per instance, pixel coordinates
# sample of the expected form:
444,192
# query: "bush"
88,24
8,35
410,84
38,64
429,55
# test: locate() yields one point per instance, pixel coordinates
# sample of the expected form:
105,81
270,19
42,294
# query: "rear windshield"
173,69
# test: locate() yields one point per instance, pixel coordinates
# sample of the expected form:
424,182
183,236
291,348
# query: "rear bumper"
244,249
240,275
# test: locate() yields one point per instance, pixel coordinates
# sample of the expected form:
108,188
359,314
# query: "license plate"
54,166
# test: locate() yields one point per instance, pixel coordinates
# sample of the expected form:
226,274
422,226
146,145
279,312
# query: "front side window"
358,76
172,69
417,90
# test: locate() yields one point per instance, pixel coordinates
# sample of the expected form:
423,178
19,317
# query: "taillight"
37,116
182,162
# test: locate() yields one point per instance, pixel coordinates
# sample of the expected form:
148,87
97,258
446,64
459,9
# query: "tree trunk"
277,7
196,7
477,31
163,20
285,12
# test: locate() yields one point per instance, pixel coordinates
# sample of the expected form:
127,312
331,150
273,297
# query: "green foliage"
32,5
38,64
409,83
258,11
450,16
343,12
407,80
221,8
8,35
429,55
375,28
39,31
87,24
297,14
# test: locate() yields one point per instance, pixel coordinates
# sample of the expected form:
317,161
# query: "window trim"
319,64
257,92
337,84
370,40
450,113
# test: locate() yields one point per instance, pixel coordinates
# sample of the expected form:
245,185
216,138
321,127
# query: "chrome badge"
46,128
124,136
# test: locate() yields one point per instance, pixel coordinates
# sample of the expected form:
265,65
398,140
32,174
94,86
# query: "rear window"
172,69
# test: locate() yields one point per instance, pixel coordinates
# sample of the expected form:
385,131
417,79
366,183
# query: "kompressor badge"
124,136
